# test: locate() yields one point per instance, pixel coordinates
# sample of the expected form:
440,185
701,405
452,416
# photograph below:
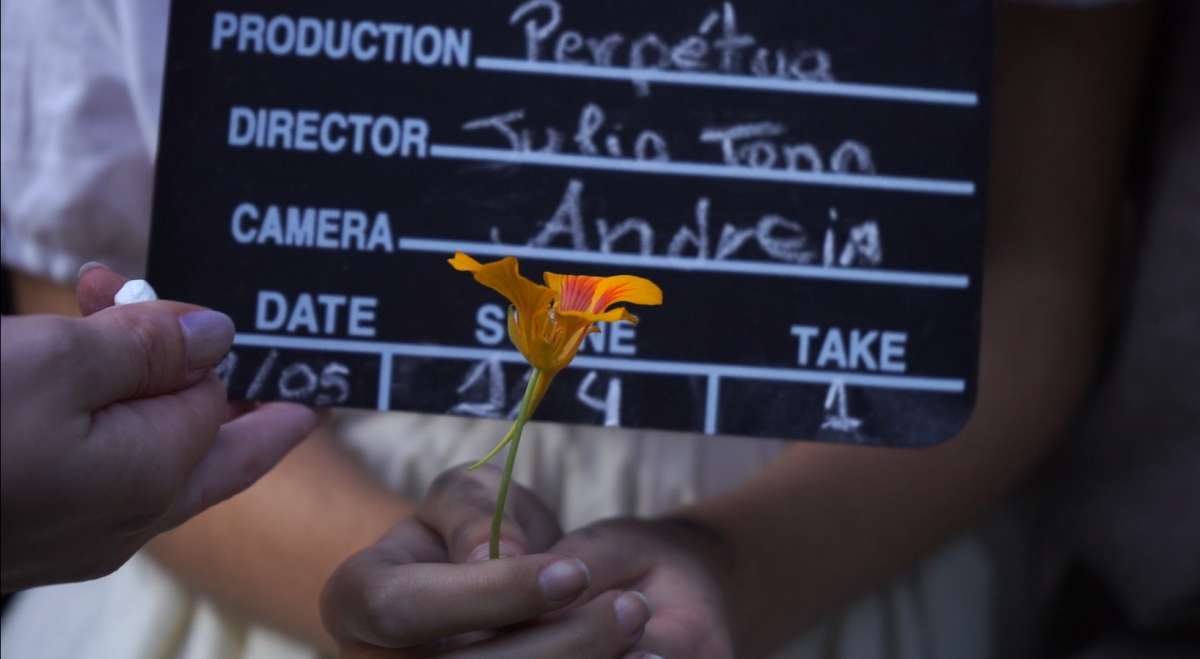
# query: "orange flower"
547,324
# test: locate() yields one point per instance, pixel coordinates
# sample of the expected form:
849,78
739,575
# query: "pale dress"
942,608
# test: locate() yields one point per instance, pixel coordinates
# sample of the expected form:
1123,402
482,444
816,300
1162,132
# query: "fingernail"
90,265
207,335
563,579
633,611
481,553
135,290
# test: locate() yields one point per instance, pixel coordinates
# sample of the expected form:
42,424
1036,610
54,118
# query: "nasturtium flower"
547,324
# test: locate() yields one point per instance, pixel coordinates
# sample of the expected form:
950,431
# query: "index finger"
96,287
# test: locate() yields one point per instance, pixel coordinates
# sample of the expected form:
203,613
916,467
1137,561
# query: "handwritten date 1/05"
298,381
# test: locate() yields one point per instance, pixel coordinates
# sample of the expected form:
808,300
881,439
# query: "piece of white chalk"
135,290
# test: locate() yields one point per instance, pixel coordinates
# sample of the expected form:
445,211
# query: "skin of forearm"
825,523
267,553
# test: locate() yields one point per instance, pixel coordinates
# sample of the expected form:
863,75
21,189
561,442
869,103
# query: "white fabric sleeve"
80,84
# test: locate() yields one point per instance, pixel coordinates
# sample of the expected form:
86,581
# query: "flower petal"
518,334
625,288
503,277
573,292
610,316
535,339
464,263
574,330
597,294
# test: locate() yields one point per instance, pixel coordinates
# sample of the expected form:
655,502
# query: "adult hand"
115,429
427,589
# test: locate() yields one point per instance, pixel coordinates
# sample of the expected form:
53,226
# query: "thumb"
146,349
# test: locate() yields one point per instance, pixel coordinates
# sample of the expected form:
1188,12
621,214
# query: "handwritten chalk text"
716,45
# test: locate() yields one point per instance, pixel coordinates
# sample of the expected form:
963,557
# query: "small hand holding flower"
427,589
619,588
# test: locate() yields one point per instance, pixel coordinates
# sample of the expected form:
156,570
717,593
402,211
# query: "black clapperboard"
806,181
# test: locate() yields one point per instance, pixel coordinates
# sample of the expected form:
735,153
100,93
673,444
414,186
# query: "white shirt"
80,83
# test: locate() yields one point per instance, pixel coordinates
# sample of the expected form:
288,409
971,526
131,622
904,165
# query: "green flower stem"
514,440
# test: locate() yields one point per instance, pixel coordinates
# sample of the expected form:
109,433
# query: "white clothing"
80,83
943,607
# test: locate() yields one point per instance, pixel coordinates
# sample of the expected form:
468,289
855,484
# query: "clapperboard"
805,180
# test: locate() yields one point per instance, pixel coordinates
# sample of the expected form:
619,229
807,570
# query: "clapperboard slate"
805,180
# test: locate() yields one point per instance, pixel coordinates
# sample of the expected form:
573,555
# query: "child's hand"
679,566
427,588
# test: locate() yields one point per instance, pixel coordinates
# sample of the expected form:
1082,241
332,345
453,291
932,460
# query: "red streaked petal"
624,288
575,292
